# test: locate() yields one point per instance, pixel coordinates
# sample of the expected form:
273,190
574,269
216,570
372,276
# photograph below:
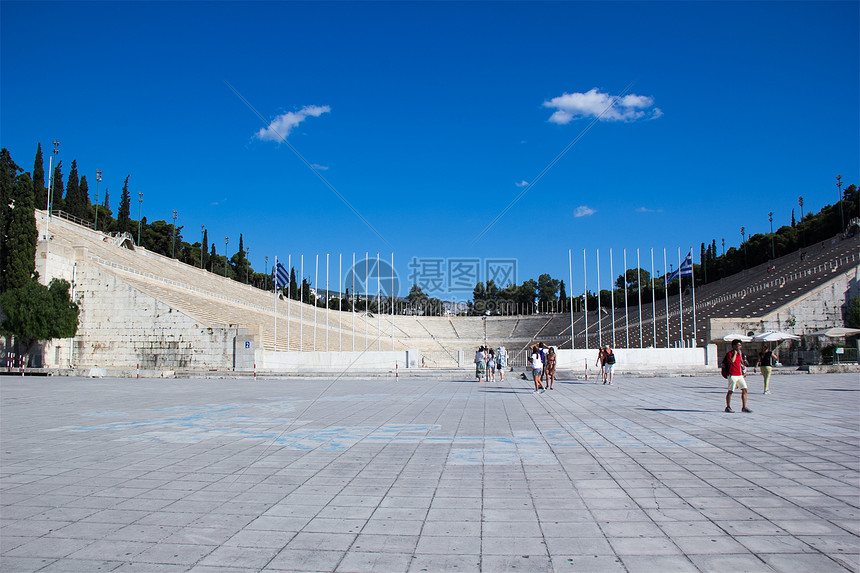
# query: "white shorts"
737,382
608,368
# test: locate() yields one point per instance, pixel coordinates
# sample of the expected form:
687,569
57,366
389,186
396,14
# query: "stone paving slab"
354,475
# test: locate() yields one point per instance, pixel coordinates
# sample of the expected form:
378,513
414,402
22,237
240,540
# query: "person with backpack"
491,365
501,361
734,369
608,364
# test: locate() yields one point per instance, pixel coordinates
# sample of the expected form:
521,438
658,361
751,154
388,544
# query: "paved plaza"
426,474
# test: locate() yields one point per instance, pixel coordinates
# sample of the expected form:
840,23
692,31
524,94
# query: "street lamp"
800,202
50,186
173,242
226,241
202,231
247,266
98,180
744,241
772,247
139,206
841,211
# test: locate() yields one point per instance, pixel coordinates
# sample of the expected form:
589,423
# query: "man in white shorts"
736,363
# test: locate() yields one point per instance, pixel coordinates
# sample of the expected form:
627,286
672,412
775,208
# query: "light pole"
841,211
202,231
226,241
800,202
267,271
744,241
51,183
173,241
139,207
247,265
98,180
772,247
50,186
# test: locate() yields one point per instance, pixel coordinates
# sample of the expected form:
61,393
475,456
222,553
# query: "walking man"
736,365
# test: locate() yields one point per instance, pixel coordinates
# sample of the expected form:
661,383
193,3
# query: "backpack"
724,371
610,358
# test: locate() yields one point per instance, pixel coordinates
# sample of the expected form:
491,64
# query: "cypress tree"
8,173
84,204
204,250
294,287
21,236
72,202
57,196
123,219
40,192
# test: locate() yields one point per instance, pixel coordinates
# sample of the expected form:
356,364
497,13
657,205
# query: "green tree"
852,314
294,287
21,236
72,203
57,186
40,192
123,216
8,175
37,312
239,262
418,301
205,248
547,290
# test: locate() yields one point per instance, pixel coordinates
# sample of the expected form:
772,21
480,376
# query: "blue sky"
430,119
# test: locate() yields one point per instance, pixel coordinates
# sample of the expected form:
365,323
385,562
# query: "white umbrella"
736,336
771,336
836,332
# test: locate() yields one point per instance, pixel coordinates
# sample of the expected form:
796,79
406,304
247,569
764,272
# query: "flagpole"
585,294
326,303
352,306
316,298
340,302
653,305
626,316
666,293
289,296
276,302
366,299
639,292
599,308
392,300
570,300
302,310
693,279
680,299
378,318
612,295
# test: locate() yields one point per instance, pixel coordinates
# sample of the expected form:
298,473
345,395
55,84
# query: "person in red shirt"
737,367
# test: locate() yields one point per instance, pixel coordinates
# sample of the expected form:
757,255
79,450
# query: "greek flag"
686,269
280,276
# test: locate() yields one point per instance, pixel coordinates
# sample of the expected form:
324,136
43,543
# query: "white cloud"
647,210
584,211
282,125
593,103
522,184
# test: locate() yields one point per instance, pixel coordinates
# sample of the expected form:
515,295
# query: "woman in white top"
537,369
